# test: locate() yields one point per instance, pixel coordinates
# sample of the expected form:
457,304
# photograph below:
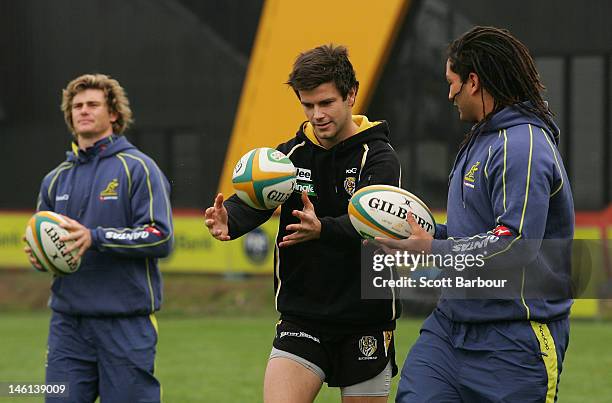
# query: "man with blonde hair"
103,332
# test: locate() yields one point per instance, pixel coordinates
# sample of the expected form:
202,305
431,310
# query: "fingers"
69,223
307,203
389,250
294,227
218,234
370,242
300,214
209,212
33,261
286,243
81,240
390,243
72,235
28,250
75,245
289,242
292,239
78,241
219,201
82,249
414,227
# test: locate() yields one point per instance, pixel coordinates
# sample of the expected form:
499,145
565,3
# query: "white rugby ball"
381,211
43,236
264,178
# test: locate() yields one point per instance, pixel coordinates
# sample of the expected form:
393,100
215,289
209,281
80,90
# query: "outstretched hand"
216,218
307,229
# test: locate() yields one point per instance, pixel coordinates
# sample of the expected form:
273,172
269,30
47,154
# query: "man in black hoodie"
326,332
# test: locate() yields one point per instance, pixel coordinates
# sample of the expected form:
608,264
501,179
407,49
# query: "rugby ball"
264,178
381,211
43,236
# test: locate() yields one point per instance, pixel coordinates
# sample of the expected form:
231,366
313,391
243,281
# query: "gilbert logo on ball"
382,211
43,235
264,178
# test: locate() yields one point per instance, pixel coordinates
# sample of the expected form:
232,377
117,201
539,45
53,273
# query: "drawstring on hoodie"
476,130
91,155
333,168
465,162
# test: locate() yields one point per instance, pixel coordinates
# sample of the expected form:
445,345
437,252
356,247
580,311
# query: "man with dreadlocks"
508,184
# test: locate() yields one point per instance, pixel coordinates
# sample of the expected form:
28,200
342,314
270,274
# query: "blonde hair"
116,99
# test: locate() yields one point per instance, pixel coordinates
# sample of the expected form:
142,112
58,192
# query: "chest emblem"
110,191
470,176
349,184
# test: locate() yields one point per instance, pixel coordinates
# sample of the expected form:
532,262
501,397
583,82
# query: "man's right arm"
43,203
232,218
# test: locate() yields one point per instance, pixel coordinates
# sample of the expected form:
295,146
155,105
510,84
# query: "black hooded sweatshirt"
318,283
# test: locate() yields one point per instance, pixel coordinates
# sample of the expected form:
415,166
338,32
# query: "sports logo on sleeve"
126,236
500,230
152,230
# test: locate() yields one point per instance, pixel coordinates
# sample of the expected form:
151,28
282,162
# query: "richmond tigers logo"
367,345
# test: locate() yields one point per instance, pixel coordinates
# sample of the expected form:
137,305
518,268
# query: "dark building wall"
548,26
183,80
572,47
183,62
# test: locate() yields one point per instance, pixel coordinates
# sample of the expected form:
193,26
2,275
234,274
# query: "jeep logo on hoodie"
303,181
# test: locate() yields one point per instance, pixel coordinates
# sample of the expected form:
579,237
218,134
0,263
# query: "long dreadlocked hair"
505,69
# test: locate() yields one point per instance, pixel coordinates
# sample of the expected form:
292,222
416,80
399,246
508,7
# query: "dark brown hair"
323,64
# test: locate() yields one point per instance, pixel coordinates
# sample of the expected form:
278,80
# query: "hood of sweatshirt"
515,115
106,147
368,131
510,116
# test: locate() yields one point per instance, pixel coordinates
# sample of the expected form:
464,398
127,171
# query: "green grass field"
214,359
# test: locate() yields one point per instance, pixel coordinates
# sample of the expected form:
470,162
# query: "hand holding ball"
382,211
43,234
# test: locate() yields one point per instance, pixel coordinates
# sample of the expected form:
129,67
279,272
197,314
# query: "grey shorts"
379,385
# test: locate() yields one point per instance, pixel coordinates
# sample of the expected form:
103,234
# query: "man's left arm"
520,177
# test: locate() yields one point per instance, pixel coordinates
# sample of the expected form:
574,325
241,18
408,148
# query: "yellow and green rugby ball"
264,178
43,234
382,211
